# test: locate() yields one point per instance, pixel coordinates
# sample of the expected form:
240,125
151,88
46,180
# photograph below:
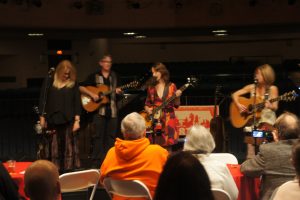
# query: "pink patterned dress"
169,122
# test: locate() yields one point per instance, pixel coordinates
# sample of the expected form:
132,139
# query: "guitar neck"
165,103
262,104
121,87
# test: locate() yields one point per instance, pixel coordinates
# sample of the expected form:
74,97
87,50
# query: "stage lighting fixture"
252,3
135,4
3,1
19,2
78,4
291,2
37,3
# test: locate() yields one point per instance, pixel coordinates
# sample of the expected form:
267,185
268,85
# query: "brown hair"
42,180
160,67
105,56
267,73
60,69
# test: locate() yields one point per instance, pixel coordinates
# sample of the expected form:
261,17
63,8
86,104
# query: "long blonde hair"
59,72
267,73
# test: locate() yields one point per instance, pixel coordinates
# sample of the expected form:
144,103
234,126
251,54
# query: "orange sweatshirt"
134,160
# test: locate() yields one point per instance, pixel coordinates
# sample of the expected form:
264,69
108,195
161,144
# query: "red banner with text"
193,115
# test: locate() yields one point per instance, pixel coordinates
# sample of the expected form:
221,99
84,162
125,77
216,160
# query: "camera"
263,134
258,134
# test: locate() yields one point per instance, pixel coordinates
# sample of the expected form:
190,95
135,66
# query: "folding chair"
126,188
220,194
79,180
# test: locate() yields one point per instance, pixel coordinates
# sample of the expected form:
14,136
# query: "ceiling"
243,20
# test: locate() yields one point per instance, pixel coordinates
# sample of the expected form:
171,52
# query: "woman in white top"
291,189
201,143
264,90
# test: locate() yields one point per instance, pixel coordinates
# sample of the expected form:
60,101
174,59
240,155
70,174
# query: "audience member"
42,181
200,142
183,177
273,159
134,158
291,189
8,188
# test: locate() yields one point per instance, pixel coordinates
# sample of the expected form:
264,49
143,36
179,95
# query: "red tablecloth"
248,187
18,175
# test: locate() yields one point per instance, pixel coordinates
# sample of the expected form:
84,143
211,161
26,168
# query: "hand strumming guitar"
119,91
178,93
242,108
148,110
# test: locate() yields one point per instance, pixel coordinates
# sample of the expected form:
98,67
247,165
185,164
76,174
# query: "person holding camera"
291,189
273,159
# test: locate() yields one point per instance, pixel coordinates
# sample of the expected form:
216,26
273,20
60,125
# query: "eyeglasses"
106,61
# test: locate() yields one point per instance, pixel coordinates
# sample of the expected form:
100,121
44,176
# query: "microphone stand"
43,144
45,92
254,115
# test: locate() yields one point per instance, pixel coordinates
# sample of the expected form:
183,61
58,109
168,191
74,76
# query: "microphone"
255,80
51,70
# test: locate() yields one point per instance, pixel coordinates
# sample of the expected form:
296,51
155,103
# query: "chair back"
75,181
220,194
126,188
226,158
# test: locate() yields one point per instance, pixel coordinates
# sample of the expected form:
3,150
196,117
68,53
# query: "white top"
220,176
288,191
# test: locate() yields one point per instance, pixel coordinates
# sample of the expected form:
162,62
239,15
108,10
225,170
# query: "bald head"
288,126
42,181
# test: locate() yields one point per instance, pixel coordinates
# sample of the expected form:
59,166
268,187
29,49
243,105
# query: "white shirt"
220,176
288,191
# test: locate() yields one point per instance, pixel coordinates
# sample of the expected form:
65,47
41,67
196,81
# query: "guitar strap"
99,80
113,84
165,93
156,126
267,94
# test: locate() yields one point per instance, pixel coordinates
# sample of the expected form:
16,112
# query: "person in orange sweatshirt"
134,158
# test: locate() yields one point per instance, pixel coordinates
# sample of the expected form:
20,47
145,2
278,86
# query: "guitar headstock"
36,110
132,84
289,96
193,81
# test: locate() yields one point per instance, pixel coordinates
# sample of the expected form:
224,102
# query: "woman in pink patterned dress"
165,131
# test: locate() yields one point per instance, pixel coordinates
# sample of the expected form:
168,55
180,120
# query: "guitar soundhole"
250,109
101,96
158,129
245,115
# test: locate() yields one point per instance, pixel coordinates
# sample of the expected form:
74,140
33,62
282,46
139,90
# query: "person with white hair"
200,143
134,158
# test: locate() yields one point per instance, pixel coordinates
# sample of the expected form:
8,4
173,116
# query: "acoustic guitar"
103,91
239,120
156,112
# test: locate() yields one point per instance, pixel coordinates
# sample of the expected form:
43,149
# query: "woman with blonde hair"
264,90
60,112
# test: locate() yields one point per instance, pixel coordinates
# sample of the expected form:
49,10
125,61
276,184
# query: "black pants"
104,138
